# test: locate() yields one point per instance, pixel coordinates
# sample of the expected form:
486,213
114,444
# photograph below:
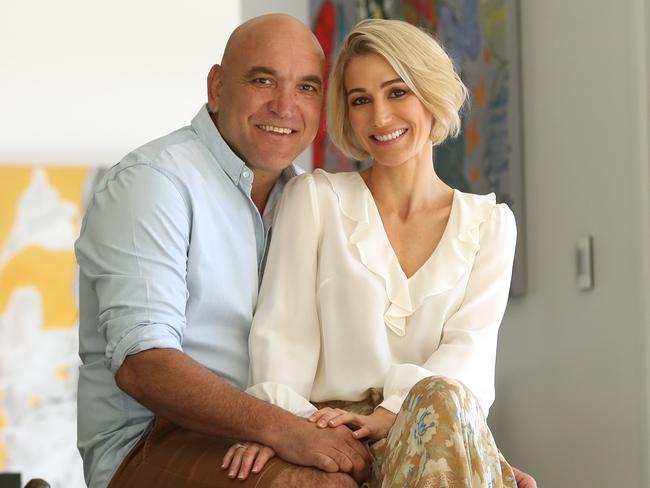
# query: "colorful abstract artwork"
481,36
40,211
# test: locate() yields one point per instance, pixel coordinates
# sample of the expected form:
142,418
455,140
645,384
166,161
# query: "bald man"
170,253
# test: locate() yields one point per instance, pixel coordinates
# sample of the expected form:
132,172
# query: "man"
170,253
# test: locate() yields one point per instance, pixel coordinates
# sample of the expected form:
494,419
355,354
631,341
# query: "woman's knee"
439,384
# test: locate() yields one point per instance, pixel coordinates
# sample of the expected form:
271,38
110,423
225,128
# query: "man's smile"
275,129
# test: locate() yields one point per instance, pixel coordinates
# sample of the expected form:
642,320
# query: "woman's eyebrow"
383,85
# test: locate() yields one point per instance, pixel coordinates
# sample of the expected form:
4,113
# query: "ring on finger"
239,445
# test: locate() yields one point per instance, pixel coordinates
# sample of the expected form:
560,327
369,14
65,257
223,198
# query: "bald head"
269,28
266,95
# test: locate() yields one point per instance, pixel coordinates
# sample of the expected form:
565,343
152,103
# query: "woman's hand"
524,480
374,426
244,458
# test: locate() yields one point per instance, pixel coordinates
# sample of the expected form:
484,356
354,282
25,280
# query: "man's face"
267,96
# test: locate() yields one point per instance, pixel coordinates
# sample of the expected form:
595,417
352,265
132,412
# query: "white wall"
298,8
572,369
85,82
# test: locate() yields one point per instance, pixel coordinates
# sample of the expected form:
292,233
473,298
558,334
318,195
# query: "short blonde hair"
417,58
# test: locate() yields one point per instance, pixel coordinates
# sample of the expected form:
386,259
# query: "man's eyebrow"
313,79
260,70
383,85
265,70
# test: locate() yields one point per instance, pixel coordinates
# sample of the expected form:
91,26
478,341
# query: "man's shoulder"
177,156
166,151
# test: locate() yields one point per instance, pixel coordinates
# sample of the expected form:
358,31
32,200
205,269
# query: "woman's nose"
382,115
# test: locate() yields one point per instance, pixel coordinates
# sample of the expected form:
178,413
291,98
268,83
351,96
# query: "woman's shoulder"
482,205
480,215
327,185
340,180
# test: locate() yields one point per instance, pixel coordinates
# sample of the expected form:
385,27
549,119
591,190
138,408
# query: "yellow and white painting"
40,214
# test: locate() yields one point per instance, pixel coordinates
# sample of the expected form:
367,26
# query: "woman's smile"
388,137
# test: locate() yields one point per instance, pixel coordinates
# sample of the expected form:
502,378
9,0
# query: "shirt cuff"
141,338
393,403
282,396
399,381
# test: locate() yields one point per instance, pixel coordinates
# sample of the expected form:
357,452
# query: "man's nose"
283,102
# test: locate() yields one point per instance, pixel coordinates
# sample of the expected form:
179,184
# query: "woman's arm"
284,342
467,349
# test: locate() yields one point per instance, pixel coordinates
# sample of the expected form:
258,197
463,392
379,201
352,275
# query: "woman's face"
388,120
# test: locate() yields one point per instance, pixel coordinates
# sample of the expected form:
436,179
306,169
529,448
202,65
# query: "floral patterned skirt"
440,439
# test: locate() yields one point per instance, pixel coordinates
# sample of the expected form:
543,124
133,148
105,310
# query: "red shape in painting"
324,29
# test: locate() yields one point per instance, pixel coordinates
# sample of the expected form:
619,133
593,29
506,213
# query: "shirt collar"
231,163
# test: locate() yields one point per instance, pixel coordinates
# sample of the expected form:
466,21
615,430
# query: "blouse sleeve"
467,350
284,342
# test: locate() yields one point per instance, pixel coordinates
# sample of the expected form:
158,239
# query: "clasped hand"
374,426
242,459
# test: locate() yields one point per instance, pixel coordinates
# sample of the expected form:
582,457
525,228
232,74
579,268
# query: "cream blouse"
336,314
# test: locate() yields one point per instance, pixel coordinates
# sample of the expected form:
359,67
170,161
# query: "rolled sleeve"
133,250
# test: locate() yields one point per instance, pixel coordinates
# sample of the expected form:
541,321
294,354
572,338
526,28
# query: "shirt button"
246,173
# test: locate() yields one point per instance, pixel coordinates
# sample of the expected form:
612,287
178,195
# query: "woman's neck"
408,188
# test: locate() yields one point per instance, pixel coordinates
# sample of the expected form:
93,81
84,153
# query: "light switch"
584,263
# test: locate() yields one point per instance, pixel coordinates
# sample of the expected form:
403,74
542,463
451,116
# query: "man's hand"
524,480
374,426
330,450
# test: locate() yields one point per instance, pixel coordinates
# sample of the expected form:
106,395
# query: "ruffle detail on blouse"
452,258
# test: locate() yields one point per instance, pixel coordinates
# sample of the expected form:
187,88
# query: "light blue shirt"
170,254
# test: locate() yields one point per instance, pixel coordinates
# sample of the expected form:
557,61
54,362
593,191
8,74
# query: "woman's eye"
398,92
359,101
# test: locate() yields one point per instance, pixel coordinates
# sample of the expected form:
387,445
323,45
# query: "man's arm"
176,387
133,249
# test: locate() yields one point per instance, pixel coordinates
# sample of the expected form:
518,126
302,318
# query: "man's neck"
263,183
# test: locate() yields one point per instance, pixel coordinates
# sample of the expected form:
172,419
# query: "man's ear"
215,82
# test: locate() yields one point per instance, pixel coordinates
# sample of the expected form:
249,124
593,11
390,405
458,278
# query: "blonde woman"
384,289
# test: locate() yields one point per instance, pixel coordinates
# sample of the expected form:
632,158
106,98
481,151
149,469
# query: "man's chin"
275,162
270,167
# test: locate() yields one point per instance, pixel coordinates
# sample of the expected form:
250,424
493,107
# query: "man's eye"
308,88
262,81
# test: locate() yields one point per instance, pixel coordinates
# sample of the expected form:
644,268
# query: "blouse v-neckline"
451,259
394,257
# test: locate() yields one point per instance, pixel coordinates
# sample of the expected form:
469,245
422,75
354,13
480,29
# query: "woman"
384,289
